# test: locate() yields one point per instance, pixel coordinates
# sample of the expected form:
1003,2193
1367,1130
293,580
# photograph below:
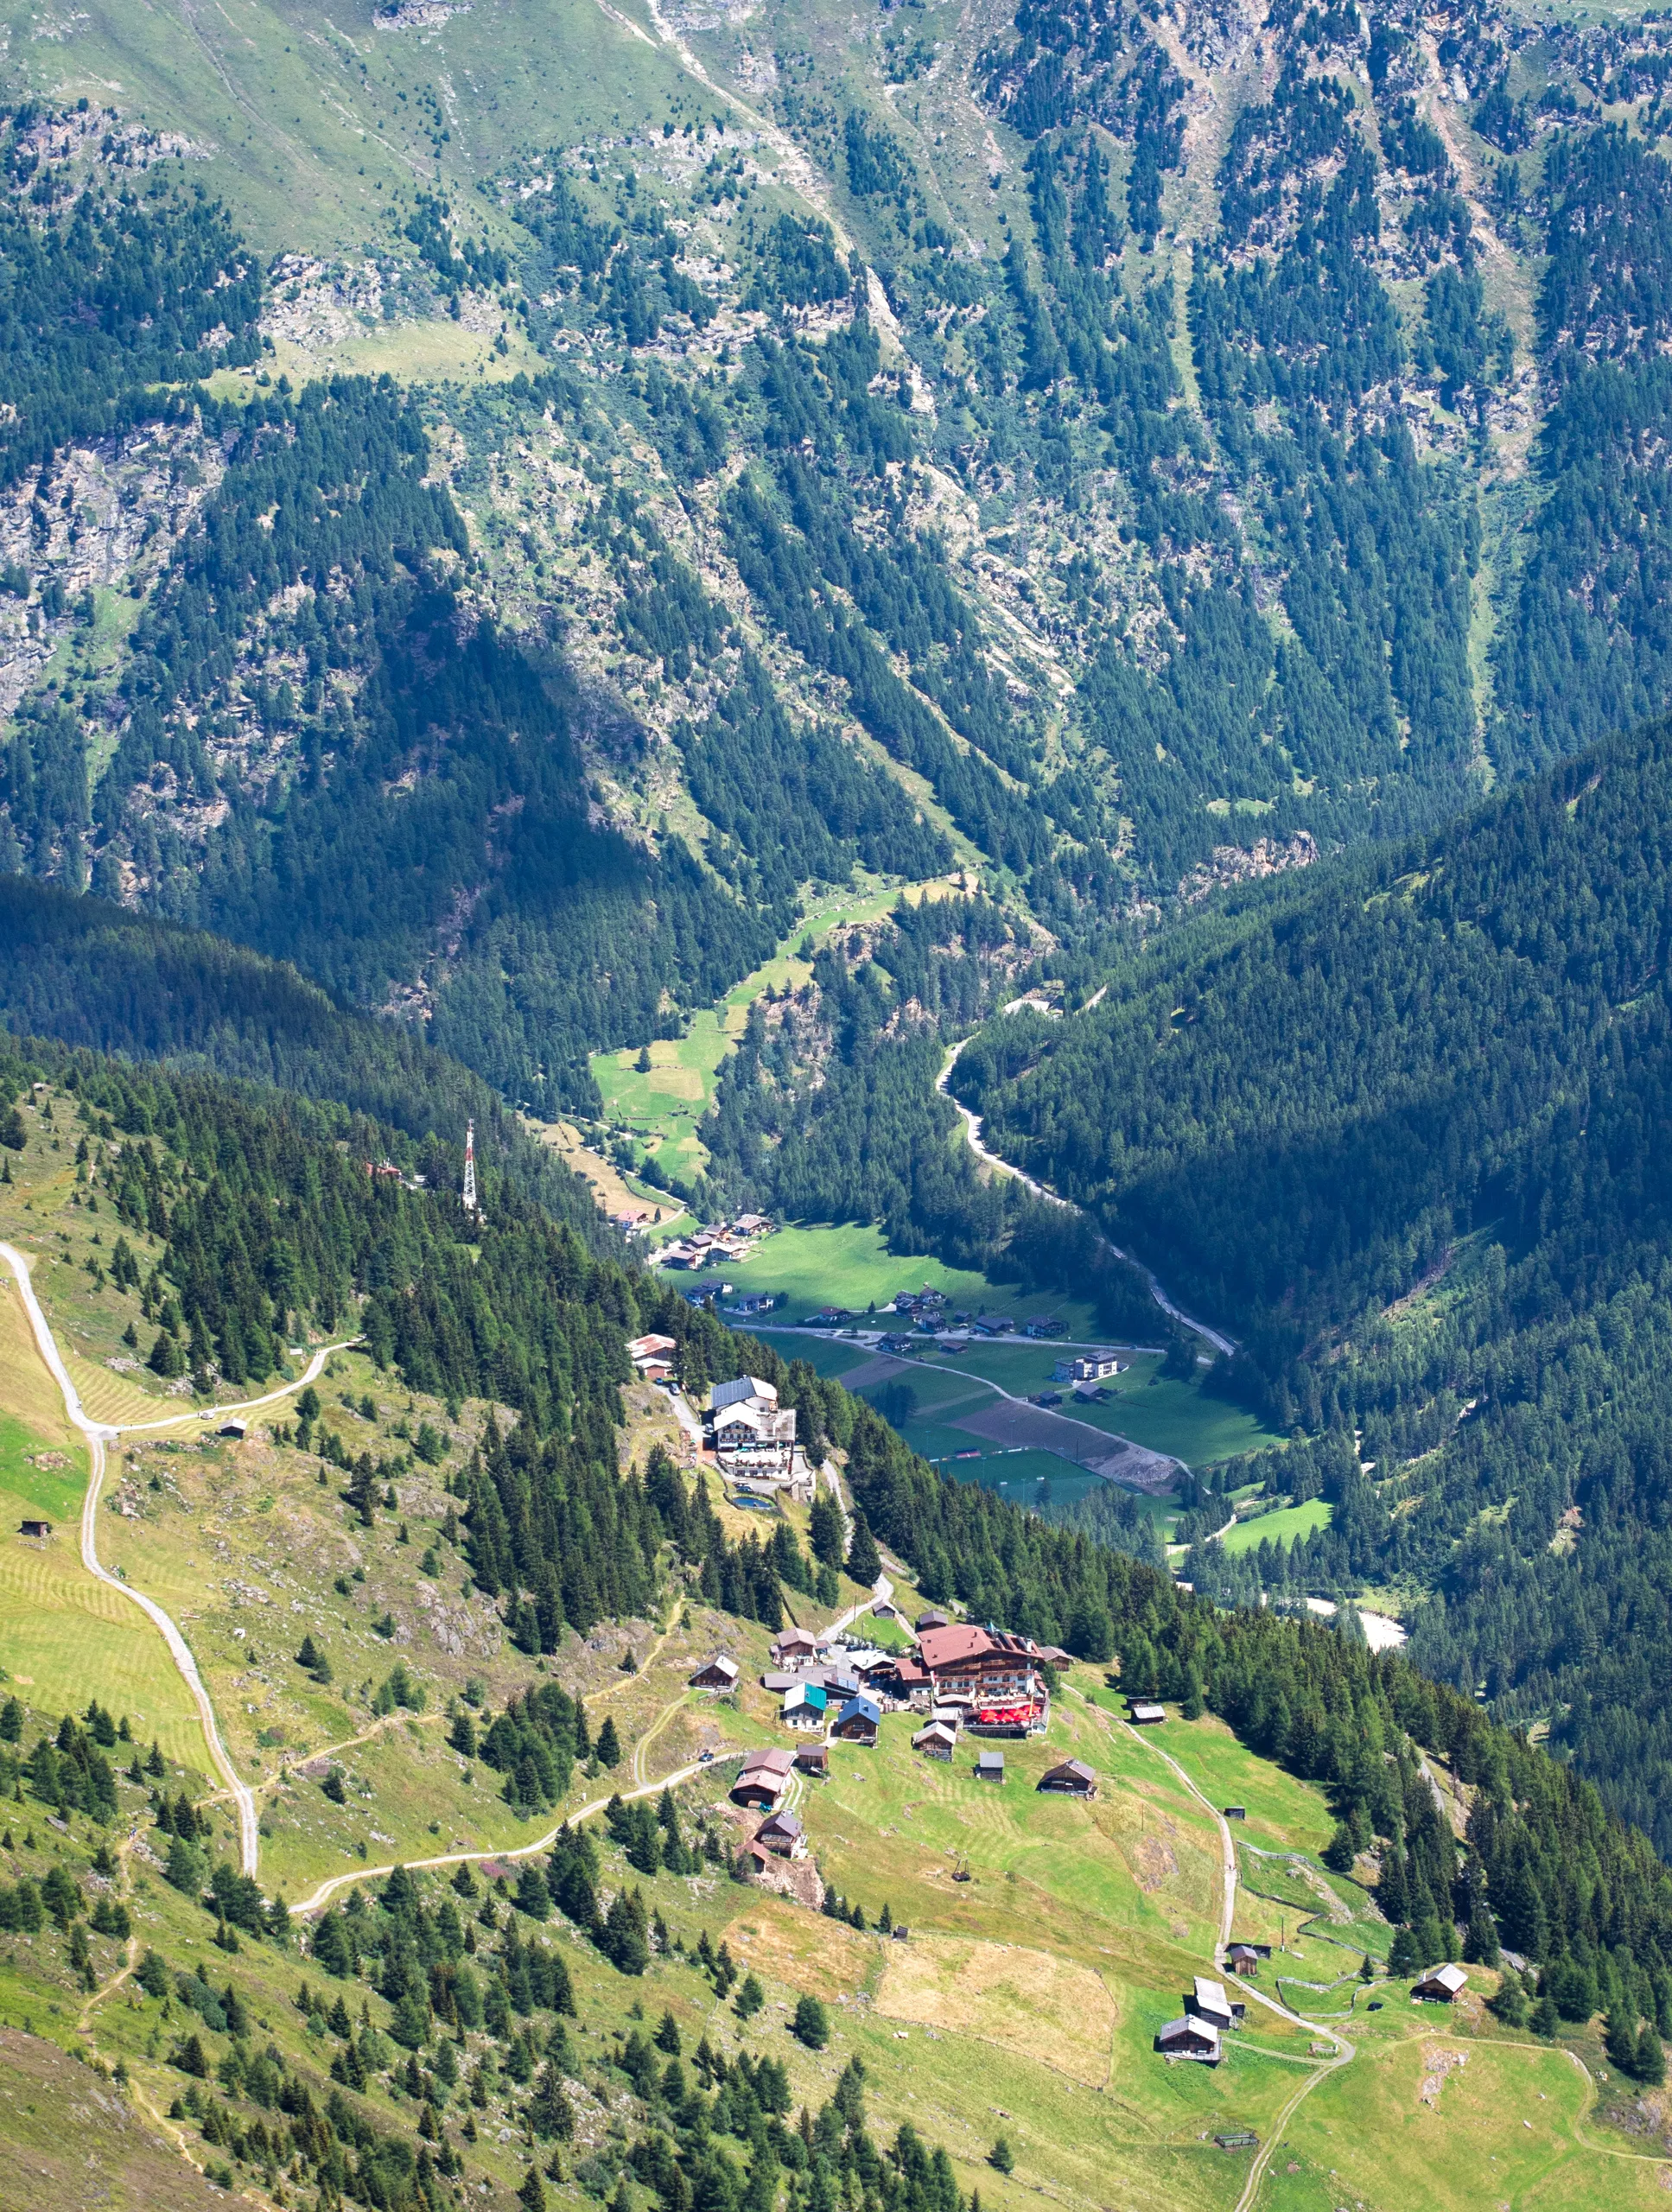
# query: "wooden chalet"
782,1835
937,1741
989,1767
720,1673
858,1722
815,1760
1190,2038
1439,1984
1144,1713
1244,1958
805,1706
653,1355
1208,2001
765,1777
1072,1778
796,1647
35,1528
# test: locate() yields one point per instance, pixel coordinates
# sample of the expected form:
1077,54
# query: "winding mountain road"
972,1133
97,1435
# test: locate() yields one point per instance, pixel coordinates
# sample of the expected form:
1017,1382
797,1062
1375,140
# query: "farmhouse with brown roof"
1073,1778
766,1775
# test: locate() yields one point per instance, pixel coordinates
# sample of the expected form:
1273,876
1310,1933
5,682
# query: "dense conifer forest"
1399,1123
90,973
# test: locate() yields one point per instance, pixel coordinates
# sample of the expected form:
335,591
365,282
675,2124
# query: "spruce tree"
1481,1941
824,1530
1510,2004
1619,2039
1338,1853
864,1560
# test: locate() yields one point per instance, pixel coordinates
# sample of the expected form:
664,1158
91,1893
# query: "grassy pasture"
1019,1475
1281,1883
847,1264
1139,1862
1408,2124
313,132
1284,1814
1165,1416
65,2140
1003,1994
1279,1527
1149,1408
1035,1989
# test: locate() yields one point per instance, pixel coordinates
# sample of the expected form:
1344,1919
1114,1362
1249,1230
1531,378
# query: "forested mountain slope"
90,973
1102,453
1401,1125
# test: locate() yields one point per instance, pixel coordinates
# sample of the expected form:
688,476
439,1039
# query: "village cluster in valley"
929,1311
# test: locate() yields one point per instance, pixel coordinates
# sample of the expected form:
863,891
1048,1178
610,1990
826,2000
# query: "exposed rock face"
1247,863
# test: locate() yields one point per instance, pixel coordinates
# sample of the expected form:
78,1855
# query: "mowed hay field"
1002,1993
1031,1993
1282,1883
1133,2137
1282,1813
65,1636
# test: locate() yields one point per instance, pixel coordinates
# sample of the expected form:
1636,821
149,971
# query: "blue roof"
860,1704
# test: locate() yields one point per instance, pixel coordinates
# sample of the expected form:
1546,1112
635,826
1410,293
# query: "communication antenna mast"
470,1204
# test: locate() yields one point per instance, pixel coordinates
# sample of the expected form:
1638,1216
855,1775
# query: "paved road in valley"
972,1132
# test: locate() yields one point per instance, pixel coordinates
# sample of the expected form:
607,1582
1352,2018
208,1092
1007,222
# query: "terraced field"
59,1629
